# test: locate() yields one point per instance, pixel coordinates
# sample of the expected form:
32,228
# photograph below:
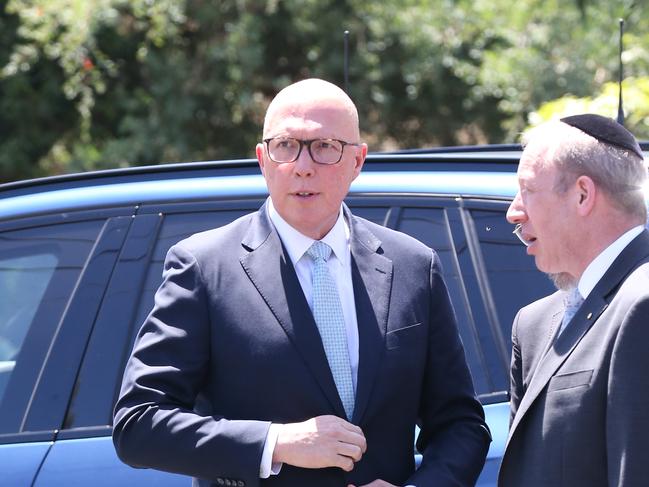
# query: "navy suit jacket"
580,403
231,346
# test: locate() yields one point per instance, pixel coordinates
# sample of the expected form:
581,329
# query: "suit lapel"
596,303
555,324
265,261
559,350
372,281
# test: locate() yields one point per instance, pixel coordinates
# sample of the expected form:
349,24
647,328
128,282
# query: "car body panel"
93,461
20,462
472,183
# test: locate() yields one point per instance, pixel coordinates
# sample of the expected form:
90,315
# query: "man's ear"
359,160
586,194
259,152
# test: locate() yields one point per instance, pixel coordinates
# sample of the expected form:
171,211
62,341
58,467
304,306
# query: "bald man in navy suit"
232,379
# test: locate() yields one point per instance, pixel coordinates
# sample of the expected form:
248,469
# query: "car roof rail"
461,148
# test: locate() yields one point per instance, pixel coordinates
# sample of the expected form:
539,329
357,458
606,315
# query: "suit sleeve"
155,423
454,437
516,388
627,419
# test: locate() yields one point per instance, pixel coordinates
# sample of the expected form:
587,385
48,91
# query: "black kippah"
605,130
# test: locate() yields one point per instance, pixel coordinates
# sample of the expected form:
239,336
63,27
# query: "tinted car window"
175,228
108,350
39,269
437,226
514,280
374,214
23,281
430,226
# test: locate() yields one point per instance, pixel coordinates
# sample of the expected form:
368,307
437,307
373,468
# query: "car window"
127,302
23,281
39,268
514,280
430,226
427,222
175,228
374,214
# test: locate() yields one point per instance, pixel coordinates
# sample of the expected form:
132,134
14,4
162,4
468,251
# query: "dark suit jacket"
231,345
580,405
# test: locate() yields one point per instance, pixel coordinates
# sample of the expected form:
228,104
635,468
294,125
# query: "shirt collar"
297,243
598,267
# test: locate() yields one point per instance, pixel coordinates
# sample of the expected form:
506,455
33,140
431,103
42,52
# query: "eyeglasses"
322,151
518,231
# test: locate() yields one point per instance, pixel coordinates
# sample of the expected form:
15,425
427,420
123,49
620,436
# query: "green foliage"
421,65
87,84
552,50
636,106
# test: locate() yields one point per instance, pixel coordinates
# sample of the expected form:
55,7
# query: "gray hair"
620,173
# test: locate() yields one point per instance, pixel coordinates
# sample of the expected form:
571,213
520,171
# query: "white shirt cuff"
267,467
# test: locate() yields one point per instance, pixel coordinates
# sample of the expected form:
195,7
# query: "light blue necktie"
572,301
328,314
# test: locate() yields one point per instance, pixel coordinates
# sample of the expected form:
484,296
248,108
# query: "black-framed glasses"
322,151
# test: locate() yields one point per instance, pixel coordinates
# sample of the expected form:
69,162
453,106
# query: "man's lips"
304,194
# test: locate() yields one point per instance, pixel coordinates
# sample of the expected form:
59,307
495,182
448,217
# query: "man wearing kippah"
579,388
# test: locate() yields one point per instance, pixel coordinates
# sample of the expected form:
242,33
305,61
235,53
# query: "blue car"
81,257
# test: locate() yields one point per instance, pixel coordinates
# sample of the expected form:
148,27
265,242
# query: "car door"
53,270
84,445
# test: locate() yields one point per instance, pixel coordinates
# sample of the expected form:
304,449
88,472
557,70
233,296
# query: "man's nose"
516,212
304,165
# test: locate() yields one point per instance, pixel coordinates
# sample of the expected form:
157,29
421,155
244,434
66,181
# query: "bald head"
307,192
306,100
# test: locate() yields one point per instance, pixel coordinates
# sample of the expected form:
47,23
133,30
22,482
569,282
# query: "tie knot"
319,250
573,300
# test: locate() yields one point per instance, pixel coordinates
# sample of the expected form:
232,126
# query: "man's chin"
563,280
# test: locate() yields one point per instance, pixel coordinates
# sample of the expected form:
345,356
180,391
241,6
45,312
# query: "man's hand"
376,483
324,441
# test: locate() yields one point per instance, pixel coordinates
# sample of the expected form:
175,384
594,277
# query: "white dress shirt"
340,268
600,264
